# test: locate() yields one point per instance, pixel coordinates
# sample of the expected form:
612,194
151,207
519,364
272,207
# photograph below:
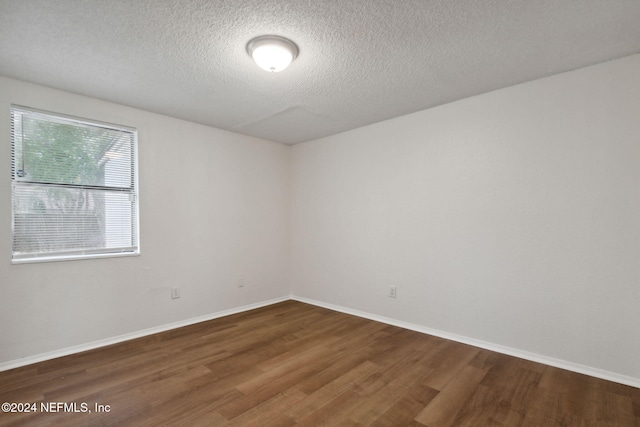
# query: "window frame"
78,254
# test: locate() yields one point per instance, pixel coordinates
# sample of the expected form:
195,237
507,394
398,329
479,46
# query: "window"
74,187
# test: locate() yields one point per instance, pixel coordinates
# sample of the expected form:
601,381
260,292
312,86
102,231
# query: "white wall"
512,217
214,207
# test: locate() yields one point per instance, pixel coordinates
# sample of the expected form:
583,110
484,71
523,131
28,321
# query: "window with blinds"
74,187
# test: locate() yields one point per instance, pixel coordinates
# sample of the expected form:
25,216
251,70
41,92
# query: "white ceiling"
360,61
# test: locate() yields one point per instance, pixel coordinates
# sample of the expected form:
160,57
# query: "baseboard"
534,357
558,363
5,366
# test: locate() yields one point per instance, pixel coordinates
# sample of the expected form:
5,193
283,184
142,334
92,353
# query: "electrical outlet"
393,291
175,293
241,282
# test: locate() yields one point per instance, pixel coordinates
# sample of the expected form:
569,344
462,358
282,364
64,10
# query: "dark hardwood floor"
296,364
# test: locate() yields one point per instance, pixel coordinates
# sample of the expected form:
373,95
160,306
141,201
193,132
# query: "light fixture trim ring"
260,40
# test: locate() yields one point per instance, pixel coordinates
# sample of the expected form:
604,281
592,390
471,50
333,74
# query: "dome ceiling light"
272,53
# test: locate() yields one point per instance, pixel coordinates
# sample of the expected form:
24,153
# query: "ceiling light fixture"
272,53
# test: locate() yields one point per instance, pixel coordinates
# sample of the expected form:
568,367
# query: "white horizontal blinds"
74,187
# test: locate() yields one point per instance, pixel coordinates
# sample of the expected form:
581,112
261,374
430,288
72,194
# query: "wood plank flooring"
296,364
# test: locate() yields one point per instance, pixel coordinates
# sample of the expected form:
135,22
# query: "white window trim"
82,254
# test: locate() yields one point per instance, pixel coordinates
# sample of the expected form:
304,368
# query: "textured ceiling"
361,61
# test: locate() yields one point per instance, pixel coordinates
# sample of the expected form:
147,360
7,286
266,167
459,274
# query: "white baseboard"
5,366
562,364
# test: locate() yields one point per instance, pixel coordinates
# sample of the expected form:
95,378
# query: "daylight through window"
74,187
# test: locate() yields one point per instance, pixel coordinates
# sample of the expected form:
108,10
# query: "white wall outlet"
393,290
175,293
241,282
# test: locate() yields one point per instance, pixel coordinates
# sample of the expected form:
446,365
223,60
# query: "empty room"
320,213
